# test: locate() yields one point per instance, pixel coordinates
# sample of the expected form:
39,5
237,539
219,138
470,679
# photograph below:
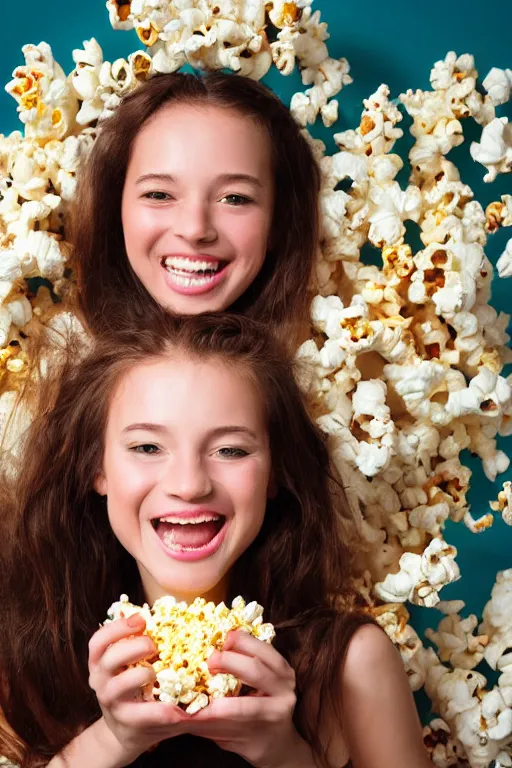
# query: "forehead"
187,135
189,394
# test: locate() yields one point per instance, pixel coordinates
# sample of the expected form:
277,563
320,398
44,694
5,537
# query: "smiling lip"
193,284
189,514
199,553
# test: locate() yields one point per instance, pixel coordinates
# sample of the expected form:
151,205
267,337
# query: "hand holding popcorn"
257,727
117,676
185,637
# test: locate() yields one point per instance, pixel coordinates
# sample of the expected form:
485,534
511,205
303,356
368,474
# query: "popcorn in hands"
185,637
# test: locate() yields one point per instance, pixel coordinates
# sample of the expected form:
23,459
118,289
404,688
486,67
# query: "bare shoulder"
380,723
368,650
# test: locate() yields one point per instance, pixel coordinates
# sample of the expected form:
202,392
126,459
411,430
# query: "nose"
188,479
194,222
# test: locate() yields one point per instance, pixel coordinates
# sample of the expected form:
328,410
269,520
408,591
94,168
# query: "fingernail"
135,620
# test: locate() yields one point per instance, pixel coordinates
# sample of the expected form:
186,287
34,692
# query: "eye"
231,453
147,449
236,200
158,196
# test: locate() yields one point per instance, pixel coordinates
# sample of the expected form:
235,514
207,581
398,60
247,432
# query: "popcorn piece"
377,131
504,264
443,749
46,104
499,214
494,151
497,618
504,503
498,85
185,637
373,419
421,577
393,208
488,393
448,275
457,643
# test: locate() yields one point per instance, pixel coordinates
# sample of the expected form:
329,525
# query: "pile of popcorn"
185,637
404,364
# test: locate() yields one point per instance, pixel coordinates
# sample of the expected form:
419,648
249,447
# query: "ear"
100,484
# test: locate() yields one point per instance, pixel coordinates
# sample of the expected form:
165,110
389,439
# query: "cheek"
141,228
127,482
251,235
249,490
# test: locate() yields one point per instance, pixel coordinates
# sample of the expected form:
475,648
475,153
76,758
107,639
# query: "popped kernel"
185,637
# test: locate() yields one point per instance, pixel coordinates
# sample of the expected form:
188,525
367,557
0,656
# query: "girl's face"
186,471
197,206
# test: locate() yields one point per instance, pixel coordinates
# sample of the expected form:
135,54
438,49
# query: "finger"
158,716
250,671
219,716
243,642
127,651
127,686
112,632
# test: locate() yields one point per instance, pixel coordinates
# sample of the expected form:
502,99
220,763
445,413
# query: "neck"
152,590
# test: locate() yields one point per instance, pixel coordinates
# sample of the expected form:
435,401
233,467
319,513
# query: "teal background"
396,43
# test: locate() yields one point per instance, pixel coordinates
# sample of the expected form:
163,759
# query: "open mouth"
189,535
193,273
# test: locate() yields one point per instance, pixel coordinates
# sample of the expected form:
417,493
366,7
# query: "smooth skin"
199,182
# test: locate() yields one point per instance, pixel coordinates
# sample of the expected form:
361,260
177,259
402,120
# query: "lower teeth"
186,282
168,539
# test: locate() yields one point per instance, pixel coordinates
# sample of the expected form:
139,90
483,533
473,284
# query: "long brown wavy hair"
62,565
108,286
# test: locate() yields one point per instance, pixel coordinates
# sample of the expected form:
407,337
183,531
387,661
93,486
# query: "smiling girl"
200,194
181,460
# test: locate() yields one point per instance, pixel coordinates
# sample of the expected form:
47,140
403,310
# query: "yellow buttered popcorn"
185,637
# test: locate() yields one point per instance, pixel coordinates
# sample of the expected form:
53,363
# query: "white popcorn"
494,151
498,85
415,383
47,105
497,620
421,577
487,393
377,131
373,417
499,214
457,643
504,503
393,208
504,264
443,749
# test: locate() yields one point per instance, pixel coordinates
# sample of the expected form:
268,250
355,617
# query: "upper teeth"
191,265
176,520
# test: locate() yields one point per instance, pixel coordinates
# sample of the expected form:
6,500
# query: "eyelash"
242,199
165,196
152,196
137,449
232,453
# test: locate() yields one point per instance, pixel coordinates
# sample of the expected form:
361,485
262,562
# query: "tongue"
191,536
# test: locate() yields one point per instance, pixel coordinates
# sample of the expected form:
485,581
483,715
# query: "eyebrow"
160,429
223,178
